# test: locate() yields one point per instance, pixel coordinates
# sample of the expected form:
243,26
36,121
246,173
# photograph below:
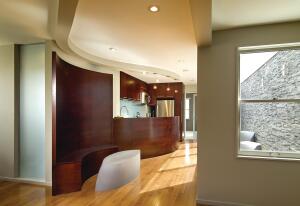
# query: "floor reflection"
178,169
164,180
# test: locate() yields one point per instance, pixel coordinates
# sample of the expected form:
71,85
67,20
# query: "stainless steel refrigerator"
165,108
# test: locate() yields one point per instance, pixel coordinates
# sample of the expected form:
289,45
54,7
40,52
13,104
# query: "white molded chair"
118,169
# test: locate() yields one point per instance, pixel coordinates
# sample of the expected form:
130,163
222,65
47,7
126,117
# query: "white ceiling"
236,13
163,40
163,43
23,21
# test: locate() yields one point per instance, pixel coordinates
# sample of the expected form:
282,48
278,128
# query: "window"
269,101
187,108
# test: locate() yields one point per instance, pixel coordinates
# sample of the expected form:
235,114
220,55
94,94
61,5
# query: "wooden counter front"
153,136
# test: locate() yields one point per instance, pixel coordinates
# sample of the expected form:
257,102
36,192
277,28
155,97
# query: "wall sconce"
168,88
176,91
154,87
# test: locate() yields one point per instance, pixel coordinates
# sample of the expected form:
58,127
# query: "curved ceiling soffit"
65,16
117,64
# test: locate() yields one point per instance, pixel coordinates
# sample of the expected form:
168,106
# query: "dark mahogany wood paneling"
83,108
53,86
153,136
70,173
92,161
131,87
82,103
66,177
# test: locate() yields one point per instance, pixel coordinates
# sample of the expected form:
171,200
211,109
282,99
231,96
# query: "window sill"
262,156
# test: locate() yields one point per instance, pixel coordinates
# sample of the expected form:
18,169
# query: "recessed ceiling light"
112,49
154,8
144,73
157,80
185,70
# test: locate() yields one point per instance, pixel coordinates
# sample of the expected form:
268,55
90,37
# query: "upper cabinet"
131,87
123,85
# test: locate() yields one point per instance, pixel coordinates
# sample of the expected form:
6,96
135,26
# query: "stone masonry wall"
277,125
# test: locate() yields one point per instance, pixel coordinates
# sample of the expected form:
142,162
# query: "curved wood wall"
82,122
82,126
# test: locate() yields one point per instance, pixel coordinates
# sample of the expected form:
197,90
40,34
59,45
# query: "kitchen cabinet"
123,86
131,87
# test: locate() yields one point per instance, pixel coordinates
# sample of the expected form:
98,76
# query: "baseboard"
218,203
27,181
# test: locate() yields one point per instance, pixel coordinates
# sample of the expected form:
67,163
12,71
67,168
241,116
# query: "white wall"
32,111
8,111
222,177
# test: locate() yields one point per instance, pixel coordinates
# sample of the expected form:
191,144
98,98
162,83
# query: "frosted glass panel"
32,111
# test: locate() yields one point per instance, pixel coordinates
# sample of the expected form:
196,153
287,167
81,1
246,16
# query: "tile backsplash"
133,107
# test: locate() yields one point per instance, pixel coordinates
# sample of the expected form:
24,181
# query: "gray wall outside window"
277,125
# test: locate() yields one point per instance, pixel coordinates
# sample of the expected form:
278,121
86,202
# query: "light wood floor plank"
168,180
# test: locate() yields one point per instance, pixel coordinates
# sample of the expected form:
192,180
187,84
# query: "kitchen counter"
154,136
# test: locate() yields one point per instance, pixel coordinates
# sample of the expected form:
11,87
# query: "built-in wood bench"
71,171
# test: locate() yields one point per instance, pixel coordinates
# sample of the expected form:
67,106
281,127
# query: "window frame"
260,154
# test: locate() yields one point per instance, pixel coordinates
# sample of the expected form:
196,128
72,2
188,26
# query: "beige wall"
222,178
9,111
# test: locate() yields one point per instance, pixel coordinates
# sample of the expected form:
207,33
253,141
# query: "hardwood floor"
168,180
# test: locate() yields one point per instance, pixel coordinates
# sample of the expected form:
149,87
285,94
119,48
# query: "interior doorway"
190,131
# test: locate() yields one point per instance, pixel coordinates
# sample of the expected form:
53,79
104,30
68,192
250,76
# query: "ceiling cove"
131,37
